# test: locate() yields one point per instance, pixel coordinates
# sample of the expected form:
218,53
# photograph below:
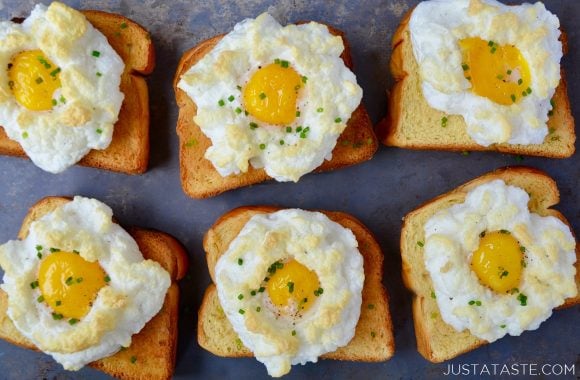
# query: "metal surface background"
379,192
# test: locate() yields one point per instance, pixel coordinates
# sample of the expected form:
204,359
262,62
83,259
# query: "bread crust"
199,179
397,128
154,347
129,149
373,340
436,340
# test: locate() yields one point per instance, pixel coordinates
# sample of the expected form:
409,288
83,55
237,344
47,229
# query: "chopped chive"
253,293
420,244
231,98
99,131
40,299
54,249
529,90
99,74
62,99
75,251
490,43
513,97
523,249
253,125
468,78
493,49
241,311
11,84
523,299
297,113
240,261
298,128
337,120
39,80
509,72
239,87
477,303
277,61
258,309
524,94
304,79
500,77
79,280
58,303
502,326
133,359
262,96
39,255
261,290
72,321
284,64
288,129
505,232
221,103
24,135
464,66
240,296
34,284
96,53
238,110
107,279
433,295
320,109
69,281
281,142
123,25
54,72
444,121
293,332
520,81
262,146
471,302
290,286
57,316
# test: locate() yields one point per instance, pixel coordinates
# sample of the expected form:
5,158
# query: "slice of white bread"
412,123
199,179
152,351
373,340
129,149
436,340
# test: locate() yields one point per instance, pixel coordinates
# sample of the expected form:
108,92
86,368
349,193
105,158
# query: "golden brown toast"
199,179
436,340
412,123
373,340
152,351
129,149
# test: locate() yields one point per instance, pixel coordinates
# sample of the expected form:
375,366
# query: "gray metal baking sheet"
379,192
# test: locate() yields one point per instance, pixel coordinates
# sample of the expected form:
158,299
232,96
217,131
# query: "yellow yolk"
270,94
33,79
69,283
293,285
499,73
498,261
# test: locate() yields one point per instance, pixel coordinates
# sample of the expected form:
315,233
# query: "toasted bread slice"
412,123
436,340
199,179
373,340
152,351
129,149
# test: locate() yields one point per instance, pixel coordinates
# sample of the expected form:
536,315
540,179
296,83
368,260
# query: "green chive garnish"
337,120
240,296
464,66
96,53
107,279
238,110
420,244
262,95
241,311
290,287
221,103
99,74
133,359
39,80
231,98
262,146
319,109
56,316
54,72
72,321
40,299
253,125
240,261
123,25
99,131
523,299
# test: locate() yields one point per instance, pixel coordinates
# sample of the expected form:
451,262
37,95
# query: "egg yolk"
69,283
497,262
499,73
293,285
33,78
270,94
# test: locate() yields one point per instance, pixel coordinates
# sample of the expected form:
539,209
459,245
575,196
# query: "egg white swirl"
84,117
135,293
548,277
316,242
436,28
314,53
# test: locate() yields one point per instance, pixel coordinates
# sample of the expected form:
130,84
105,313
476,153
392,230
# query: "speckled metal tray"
370,191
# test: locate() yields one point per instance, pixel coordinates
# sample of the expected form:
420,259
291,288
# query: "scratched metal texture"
379,192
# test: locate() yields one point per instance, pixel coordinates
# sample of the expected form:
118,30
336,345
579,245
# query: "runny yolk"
294,286
69,283
499,73
497,262
270,94
33,78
